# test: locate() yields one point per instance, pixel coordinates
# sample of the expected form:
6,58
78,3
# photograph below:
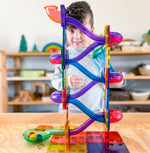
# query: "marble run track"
64,139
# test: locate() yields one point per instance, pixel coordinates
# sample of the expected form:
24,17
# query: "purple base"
95,144
113,148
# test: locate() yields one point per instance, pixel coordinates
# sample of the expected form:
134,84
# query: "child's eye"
71,30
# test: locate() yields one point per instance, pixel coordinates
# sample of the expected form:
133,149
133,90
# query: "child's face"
76,38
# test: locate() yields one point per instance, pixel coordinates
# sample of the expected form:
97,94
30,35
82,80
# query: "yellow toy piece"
71,127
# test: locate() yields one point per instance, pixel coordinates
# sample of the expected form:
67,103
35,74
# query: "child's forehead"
70,26
86,22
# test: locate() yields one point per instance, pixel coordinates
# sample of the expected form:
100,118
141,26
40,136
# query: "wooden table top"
134,129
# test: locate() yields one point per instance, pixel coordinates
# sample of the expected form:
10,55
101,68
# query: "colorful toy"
75,140
53,13
30,133
41,133
52,47
33,137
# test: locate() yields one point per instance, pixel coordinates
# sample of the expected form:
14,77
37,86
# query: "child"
78,42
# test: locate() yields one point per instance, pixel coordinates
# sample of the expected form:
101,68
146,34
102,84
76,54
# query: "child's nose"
77,34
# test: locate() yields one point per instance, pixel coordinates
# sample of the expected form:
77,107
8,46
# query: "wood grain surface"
134,129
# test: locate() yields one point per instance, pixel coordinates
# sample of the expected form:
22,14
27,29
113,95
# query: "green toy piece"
97,51
23,44
35,48
146,37
40,134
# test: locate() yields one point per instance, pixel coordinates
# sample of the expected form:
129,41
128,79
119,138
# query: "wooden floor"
134,129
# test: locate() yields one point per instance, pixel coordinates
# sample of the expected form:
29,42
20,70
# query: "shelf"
129,52
51,53
17,67
17,78
131,102
31,54
137,77
38,102
12,70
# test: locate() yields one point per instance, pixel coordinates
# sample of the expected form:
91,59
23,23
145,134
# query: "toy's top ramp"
53,13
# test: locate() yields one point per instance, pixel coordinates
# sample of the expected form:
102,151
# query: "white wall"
28,17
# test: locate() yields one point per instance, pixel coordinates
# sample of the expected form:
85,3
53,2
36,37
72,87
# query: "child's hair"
80,10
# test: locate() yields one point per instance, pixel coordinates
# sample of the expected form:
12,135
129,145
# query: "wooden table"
134,129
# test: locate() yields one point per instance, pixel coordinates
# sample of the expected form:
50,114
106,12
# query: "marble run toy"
76,140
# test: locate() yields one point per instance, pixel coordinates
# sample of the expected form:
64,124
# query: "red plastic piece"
114,137
115,115
30,134
115,80
55,61
53,13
